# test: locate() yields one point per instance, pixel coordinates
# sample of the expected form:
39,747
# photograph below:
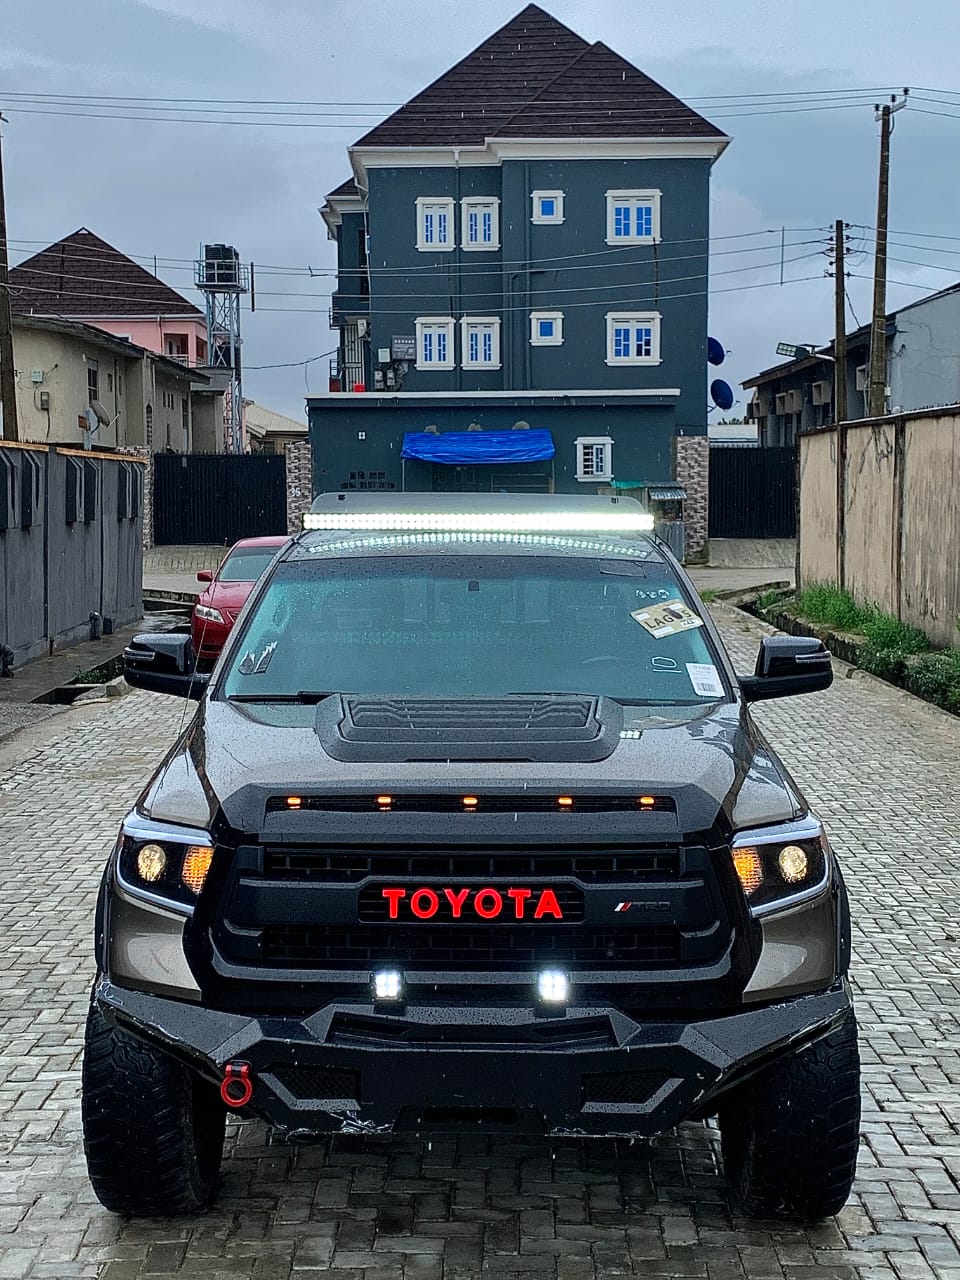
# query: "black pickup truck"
472,826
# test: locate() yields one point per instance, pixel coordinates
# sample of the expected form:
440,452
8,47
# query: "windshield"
246,565
475,626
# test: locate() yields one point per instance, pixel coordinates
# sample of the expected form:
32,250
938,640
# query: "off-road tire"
152,1130
790,1135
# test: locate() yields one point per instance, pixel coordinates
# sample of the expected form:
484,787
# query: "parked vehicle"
218,605
473,827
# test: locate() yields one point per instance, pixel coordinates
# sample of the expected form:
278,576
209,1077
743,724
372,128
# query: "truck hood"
233,759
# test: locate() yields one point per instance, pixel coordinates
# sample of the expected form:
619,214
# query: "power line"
503,103
433,273
542,291
294,364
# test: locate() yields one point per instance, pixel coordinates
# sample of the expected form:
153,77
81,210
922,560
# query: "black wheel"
152,1130
790,1135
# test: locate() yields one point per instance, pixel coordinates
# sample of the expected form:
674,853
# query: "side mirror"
205,575
787,665
164,663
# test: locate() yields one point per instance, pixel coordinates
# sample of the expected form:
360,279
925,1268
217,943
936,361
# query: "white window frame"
592,443
618,319
481,323
435,203
435,324
536,340
479,205
548,220
633,198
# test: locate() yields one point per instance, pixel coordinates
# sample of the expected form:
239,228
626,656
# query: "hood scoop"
523,727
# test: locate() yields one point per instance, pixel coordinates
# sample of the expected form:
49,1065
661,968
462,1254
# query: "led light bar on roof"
486,522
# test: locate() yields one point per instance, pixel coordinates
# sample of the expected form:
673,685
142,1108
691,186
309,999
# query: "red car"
220,602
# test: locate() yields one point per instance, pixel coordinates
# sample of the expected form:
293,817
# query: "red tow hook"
236,1088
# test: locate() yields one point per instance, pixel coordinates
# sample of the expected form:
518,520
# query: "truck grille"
507,947
611,863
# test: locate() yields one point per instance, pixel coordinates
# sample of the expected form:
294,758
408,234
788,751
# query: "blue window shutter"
548,208
427,347
473,234
546,328
488,227
487,347
441,346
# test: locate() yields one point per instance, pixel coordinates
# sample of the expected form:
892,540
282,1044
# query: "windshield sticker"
252,665
667,619
705,679
660,663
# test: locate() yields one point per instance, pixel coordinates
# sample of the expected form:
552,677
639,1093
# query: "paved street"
883,770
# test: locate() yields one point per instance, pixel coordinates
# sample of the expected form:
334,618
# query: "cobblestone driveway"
882,769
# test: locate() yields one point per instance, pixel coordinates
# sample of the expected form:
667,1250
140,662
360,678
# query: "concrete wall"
924,356
890,535
71,545
64,361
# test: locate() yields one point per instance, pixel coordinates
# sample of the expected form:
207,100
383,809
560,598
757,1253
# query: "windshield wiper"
305,696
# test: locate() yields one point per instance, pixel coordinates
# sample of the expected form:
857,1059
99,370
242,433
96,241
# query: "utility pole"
8,378
840,325
877,385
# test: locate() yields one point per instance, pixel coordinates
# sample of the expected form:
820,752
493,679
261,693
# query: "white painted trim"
422,322
487,322
495,150
436,202
651,197
536,217
585,442
469,204
557,339
652,318
610,393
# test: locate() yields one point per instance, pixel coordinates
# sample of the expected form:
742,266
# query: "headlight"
781,866
166,864
207,614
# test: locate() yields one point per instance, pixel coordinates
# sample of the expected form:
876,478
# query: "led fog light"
553,987
387,985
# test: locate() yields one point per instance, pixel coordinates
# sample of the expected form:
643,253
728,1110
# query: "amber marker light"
470,802
196,864
294,802
565,802
749,868
647,802
384,802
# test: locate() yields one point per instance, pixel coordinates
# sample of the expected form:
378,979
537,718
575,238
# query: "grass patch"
708,595
892,650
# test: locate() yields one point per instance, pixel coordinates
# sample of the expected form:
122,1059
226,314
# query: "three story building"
523,254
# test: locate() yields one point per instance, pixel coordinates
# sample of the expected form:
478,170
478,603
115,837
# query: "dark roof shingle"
82,275
535,78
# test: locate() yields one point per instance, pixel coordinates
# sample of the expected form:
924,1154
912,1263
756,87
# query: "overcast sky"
163,188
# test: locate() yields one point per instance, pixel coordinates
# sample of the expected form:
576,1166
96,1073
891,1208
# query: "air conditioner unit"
822,392
789,401
862,377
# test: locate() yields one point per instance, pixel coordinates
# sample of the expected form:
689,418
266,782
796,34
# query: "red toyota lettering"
495,907
519,897
456,901
433,902
393,896
548,905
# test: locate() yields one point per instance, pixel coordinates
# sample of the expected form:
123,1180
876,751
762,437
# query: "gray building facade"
923,372
512,258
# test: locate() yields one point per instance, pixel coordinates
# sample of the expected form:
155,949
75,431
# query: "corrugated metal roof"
266,422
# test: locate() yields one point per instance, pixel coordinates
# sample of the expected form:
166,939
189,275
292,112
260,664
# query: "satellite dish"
715,352
721,394
101,414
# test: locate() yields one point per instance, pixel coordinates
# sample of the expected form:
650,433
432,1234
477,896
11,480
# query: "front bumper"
347,1068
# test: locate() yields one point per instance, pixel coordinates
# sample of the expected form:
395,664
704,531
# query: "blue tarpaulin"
453,447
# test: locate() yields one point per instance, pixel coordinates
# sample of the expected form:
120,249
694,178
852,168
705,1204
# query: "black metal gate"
209,498
752,493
